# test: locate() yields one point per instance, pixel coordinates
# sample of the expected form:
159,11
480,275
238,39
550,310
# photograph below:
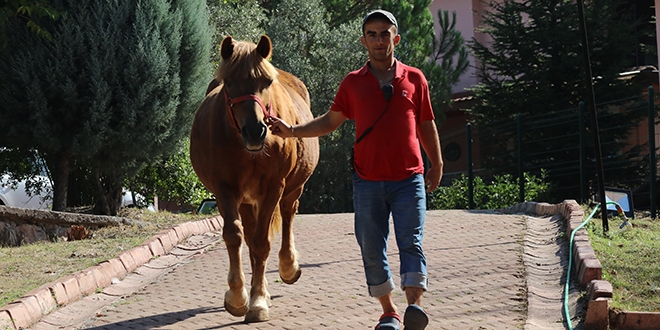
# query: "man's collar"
397,65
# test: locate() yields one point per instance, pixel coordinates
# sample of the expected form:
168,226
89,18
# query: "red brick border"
589,271
5,320
19,314
45,299
29,309
586,266
634,320
59,293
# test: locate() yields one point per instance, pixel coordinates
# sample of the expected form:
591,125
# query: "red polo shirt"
391,151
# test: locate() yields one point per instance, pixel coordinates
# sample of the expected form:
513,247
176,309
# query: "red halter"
231,101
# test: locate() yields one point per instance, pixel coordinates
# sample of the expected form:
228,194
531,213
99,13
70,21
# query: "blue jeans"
405,200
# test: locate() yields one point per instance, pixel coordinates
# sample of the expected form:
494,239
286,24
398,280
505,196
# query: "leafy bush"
172,180
501,191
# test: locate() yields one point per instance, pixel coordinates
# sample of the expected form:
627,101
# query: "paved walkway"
475,264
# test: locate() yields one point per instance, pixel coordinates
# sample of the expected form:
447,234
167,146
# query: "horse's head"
247,76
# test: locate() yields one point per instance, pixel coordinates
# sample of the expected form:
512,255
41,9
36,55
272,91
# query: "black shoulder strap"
387,92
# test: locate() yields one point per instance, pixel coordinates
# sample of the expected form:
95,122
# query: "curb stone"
588,271
29,309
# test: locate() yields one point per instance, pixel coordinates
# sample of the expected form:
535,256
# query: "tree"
172,179
448,61
115,89
534,65
26,10
344,11
243,20
321,56
24,165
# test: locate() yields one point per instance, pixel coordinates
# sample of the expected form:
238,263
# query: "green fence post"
521,165
652,163
583,155
470,192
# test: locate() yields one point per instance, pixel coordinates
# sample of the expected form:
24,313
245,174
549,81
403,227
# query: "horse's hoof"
257,314
294,279
236,311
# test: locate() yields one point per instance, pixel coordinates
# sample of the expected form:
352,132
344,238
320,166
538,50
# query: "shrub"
501,191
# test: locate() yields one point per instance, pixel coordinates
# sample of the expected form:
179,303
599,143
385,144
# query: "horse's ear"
227,47
264,47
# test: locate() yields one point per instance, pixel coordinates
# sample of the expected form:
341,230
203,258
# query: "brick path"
477,281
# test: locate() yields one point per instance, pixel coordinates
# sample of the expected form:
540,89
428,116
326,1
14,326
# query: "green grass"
631,262
27,267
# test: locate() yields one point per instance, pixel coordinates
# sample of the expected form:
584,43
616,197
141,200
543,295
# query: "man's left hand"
433,177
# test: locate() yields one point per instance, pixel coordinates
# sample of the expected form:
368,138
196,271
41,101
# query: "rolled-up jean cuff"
381,289
416,280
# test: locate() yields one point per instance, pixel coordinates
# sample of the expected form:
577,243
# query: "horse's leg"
289,268
236,298
249,217
259,240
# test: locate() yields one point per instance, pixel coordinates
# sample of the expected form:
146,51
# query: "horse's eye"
228,83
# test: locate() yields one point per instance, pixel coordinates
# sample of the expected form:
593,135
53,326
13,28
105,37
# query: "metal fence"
561,144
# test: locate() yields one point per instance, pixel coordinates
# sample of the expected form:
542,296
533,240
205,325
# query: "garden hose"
567,314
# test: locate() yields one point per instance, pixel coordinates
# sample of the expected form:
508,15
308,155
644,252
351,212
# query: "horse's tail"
276,222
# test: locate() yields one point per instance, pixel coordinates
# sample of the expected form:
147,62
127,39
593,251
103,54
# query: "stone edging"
589,271
41,301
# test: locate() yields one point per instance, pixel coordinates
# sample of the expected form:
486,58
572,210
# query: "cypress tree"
115,88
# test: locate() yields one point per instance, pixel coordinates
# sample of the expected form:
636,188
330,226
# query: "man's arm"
321,125
428,135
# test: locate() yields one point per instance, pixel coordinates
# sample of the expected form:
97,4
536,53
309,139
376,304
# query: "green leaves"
26,10
500,192
307,45
533,63
172,179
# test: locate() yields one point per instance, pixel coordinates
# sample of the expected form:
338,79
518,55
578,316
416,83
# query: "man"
390,104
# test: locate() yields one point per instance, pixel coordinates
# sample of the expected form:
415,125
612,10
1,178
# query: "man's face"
379,38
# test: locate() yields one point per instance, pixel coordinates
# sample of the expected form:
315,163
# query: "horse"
256,177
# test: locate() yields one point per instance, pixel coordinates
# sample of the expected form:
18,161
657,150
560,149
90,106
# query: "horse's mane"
245,63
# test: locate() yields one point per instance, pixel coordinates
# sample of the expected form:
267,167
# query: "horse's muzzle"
254,136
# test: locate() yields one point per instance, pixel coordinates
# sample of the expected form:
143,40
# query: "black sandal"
389,321
415,318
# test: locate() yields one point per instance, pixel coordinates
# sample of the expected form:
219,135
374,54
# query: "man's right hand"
279,127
